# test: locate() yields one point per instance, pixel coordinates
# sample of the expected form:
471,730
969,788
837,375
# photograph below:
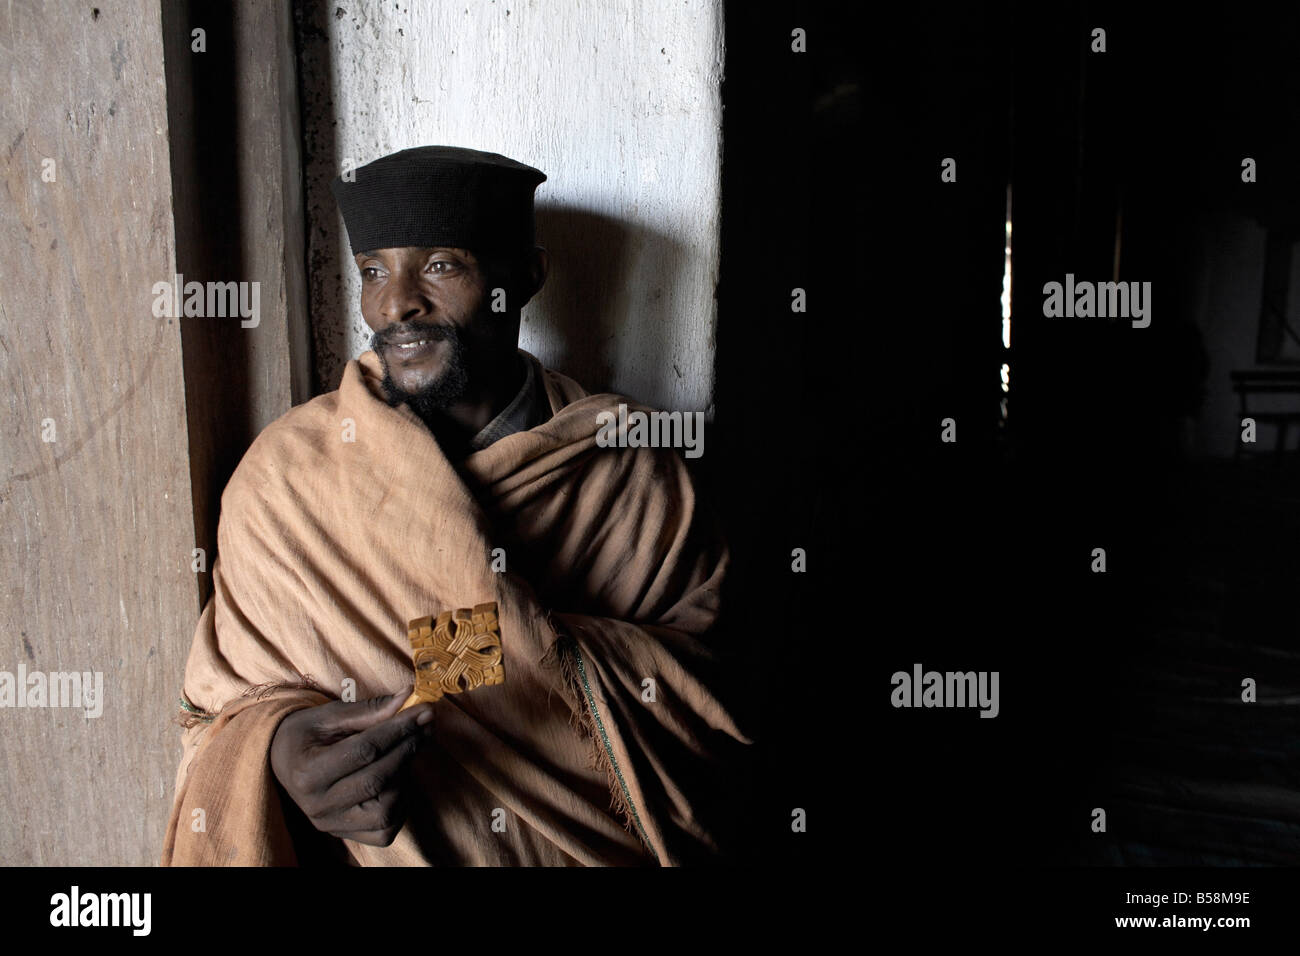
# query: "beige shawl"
344,520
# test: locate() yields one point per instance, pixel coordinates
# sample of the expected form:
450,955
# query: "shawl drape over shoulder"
344,520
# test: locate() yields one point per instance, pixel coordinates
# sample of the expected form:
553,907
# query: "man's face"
429,311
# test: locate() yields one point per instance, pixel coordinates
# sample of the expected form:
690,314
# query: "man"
451,469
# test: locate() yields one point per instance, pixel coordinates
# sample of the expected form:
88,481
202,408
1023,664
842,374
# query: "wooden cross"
456,653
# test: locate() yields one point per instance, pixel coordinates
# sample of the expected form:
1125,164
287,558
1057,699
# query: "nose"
403,299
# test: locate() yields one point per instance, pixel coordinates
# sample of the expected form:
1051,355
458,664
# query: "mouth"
406,351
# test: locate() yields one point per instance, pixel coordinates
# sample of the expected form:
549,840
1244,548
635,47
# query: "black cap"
440,196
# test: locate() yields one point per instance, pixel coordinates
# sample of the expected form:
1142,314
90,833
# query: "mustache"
428,330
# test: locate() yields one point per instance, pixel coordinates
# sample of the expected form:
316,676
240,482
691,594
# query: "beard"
445,390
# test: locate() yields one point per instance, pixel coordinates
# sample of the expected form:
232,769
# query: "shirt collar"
528,409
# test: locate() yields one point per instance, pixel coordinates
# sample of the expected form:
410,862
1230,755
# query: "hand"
344,764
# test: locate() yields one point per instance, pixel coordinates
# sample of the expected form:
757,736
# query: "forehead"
413,252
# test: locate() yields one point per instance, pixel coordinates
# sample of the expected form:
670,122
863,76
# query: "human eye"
443,266
370,273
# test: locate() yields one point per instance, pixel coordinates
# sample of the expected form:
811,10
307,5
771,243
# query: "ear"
537,265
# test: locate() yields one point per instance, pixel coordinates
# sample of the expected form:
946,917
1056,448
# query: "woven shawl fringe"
258,691
560,654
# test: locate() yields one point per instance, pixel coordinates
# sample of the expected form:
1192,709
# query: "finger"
359,751
370,781
370,837
386,811
339,719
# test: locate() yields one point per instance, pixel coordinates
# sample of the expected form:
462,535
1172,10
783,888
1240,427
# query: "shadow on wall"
202,113
605,317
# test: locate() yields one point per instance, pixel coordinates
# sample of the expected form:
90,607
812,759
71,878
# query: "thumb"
337,719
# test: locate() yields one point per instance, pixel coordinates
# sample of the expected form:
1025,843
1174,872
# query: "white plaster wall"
617,101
